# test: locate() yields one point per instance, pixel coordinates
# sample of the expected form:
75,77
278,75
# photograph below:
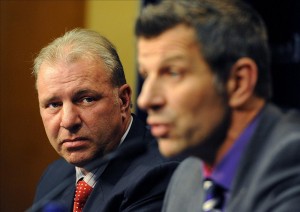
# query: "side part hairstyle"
226,31
82,44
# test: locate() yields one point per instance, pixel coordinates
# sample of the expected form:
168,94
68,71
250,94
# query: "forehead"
73,69
77,72
174,42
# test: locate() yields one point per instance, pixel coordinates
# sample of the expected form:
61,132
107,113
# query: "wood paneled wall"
25,27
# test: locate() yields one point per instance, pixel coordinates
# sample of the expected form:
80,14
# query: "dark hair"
226,31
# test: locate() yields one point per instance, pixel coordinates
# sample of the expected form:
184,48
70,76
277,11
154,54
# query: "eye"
88,99
53,105
172,72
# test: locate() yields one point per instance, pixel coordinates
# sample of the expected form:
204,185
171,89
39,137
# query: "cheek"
190,105
51,125
103,117
107,111
199,114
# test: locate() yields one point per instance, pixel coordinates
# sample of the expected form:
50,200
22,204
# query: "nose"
151,96
70,118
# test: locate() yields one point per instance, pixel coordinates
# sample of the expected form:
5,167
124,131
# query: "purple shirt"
223,174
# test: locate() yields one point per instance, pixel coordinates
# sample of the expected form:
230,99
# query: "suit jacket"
137,183
267,178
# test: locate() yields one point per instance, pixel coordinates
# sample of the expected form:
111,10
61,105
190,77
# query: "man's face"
80,109
179,91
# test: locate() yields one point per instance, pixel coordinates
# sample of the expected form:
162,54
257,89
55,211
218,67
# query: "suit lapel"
269,117
114,170
185,191
68,195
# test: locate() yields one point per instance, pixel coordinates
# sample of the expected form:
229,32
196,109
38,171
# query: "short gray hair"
82,43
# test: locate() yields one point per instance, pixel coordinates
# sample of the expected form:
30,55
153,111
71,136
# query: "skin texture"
179,91
83,114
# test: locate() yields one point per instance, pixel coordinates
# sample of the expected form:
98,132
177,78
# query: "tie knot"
83,191
211,187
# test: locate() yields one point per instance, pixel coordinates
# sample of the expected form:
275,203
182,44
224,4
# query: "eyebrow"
169,59
47,100
175,58
74,95
83,91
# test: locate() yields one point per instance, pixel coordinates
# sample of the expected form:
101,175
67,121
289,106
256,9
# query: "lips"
160,130
78,142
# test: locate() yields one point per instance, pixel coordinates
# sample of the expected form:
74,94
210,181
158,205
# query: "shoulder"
184,192
275,127
283,142
58,168
189,172
271,161
279,150
149,165
145,183
279,116
138,183
55,173
276,140
285,132
139,169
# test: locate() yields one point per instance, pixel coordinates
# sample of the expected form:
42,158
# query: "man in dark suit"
85,107
207,92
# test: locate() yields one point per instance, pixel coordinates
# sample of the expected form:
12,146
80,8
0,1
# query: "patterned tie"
214,196
83,191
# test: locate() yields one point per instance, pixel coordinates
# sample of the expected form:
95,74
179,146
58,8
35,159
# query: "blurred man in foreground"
206,90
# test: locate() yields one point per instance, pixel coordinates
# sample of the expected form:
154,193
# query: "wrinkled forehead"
81,68
65,65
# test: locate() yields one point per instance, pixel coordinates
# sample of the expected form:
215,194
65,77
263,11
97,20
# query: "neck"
240,119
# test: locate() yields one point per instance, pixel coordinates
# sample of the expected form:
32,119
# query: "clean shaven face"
80,109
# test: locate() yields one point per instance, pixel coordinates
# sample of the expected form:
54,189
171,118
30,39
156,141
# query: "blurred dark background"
283,22
282,18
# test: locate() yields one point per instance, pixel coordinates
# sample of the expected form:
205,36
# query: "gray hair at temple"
82,44
226,31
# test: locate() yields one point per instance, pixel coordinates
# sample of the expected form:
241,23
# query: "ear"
242,81
125,97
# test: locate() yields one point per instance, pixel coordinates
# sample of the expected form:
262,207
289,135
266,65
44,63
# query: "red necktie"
83,191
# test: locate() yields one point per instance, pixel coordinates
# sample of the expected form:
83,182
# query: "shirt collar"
91,177
127,131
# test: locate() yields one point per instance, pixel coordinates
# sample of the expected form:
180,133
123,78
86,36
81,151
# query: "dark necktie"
83,191
214,196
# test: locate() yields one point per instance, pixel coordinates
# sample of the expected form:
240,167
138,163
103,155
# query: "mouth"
75,143
160,130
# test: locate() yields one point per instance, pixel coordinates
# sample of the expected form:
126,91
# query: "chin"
78,161
169,148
